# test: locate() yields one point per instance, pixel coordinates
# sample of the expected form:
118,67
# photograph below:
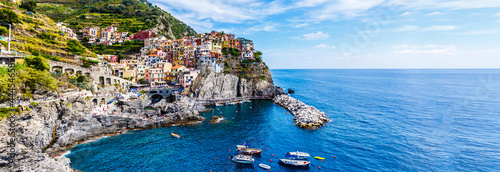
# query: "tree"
9,16
258,56
85,39
29,6
37,62
142,81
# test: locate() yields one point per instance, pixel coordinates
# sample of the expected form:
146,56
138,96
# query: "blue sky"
309,34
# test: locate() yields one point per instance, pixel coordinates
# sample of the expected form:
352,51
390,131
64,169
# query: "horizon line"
387,69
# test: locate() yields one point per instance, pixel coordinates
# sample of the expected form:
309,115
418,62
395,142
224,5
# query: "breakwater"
305,116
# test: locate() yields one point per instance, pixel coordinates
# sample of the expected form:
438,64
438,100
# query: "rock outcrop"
227,86
305,116
215,119
290,91
50,128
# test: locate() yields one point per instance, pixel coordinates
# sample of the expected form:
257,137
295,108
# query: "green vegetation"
142,81
258,56
75,47
125,48
231,51
7,111
88,62
29,77
128,15
9,16
3,30
36,34
28,5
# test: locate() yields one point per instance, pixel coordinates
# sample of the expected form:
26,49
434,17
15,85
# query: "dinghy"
264,166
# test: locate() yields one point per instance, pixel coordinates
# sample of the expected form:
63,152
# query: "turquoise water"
383,120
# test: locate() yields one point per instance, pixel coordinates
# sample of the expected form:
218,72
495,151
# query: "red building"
141,35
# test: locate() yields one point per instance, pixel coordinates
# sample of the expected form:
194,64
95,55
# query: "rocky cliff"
50,128
240,80
226,86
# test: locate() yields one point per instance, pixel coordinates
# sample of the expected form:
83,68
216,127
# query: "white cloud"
434,13
300,25
440,28
425,49
266,28
406,28
406,13
332,10
498,21
313,36
309,3
481,32
497,14
325,46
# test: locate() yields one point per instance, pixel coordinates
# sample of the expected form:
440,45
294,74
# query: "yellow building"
216,46
179,56
128,74
225,44
166,45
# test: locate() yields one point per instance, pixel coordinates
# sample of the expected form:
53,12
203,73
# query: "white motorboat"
295,162
297,155
243,159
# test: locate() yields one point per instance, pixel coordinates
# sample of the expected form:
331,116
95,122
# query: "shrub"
3,30
75,47
35,52
9,16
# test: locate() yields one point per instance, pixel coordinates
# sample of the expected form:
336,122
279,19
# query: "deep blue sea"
382,120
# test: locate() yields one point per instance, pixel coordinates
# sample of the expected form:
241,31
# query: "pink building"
187,78
142,35
154,76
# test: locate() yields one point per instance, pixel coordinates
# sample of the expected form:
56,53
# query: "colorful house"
188,76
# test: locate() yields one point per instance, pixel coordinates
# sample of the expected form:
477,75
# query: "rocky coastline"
49,129
305,116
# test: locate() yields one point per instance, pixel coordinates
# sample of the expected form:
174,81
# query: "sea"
381,120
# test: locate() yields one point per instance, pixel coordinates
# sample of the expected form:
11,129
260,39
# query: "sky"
355,34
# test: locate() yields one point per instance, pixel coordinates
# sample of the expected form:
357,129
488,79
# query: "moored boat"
246,150
243,159
295,162
264,166
297,155
175,135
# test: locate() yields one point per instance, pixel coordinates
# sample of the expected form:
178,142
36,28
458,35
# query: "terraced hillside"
34,33
128,15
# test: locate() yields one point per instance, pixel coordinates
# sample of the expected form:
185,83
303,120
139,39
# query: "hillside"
38,34
128,15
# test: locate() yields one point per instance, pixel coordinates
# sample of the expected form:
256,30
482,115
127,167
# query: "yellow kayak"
175,135
317,157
